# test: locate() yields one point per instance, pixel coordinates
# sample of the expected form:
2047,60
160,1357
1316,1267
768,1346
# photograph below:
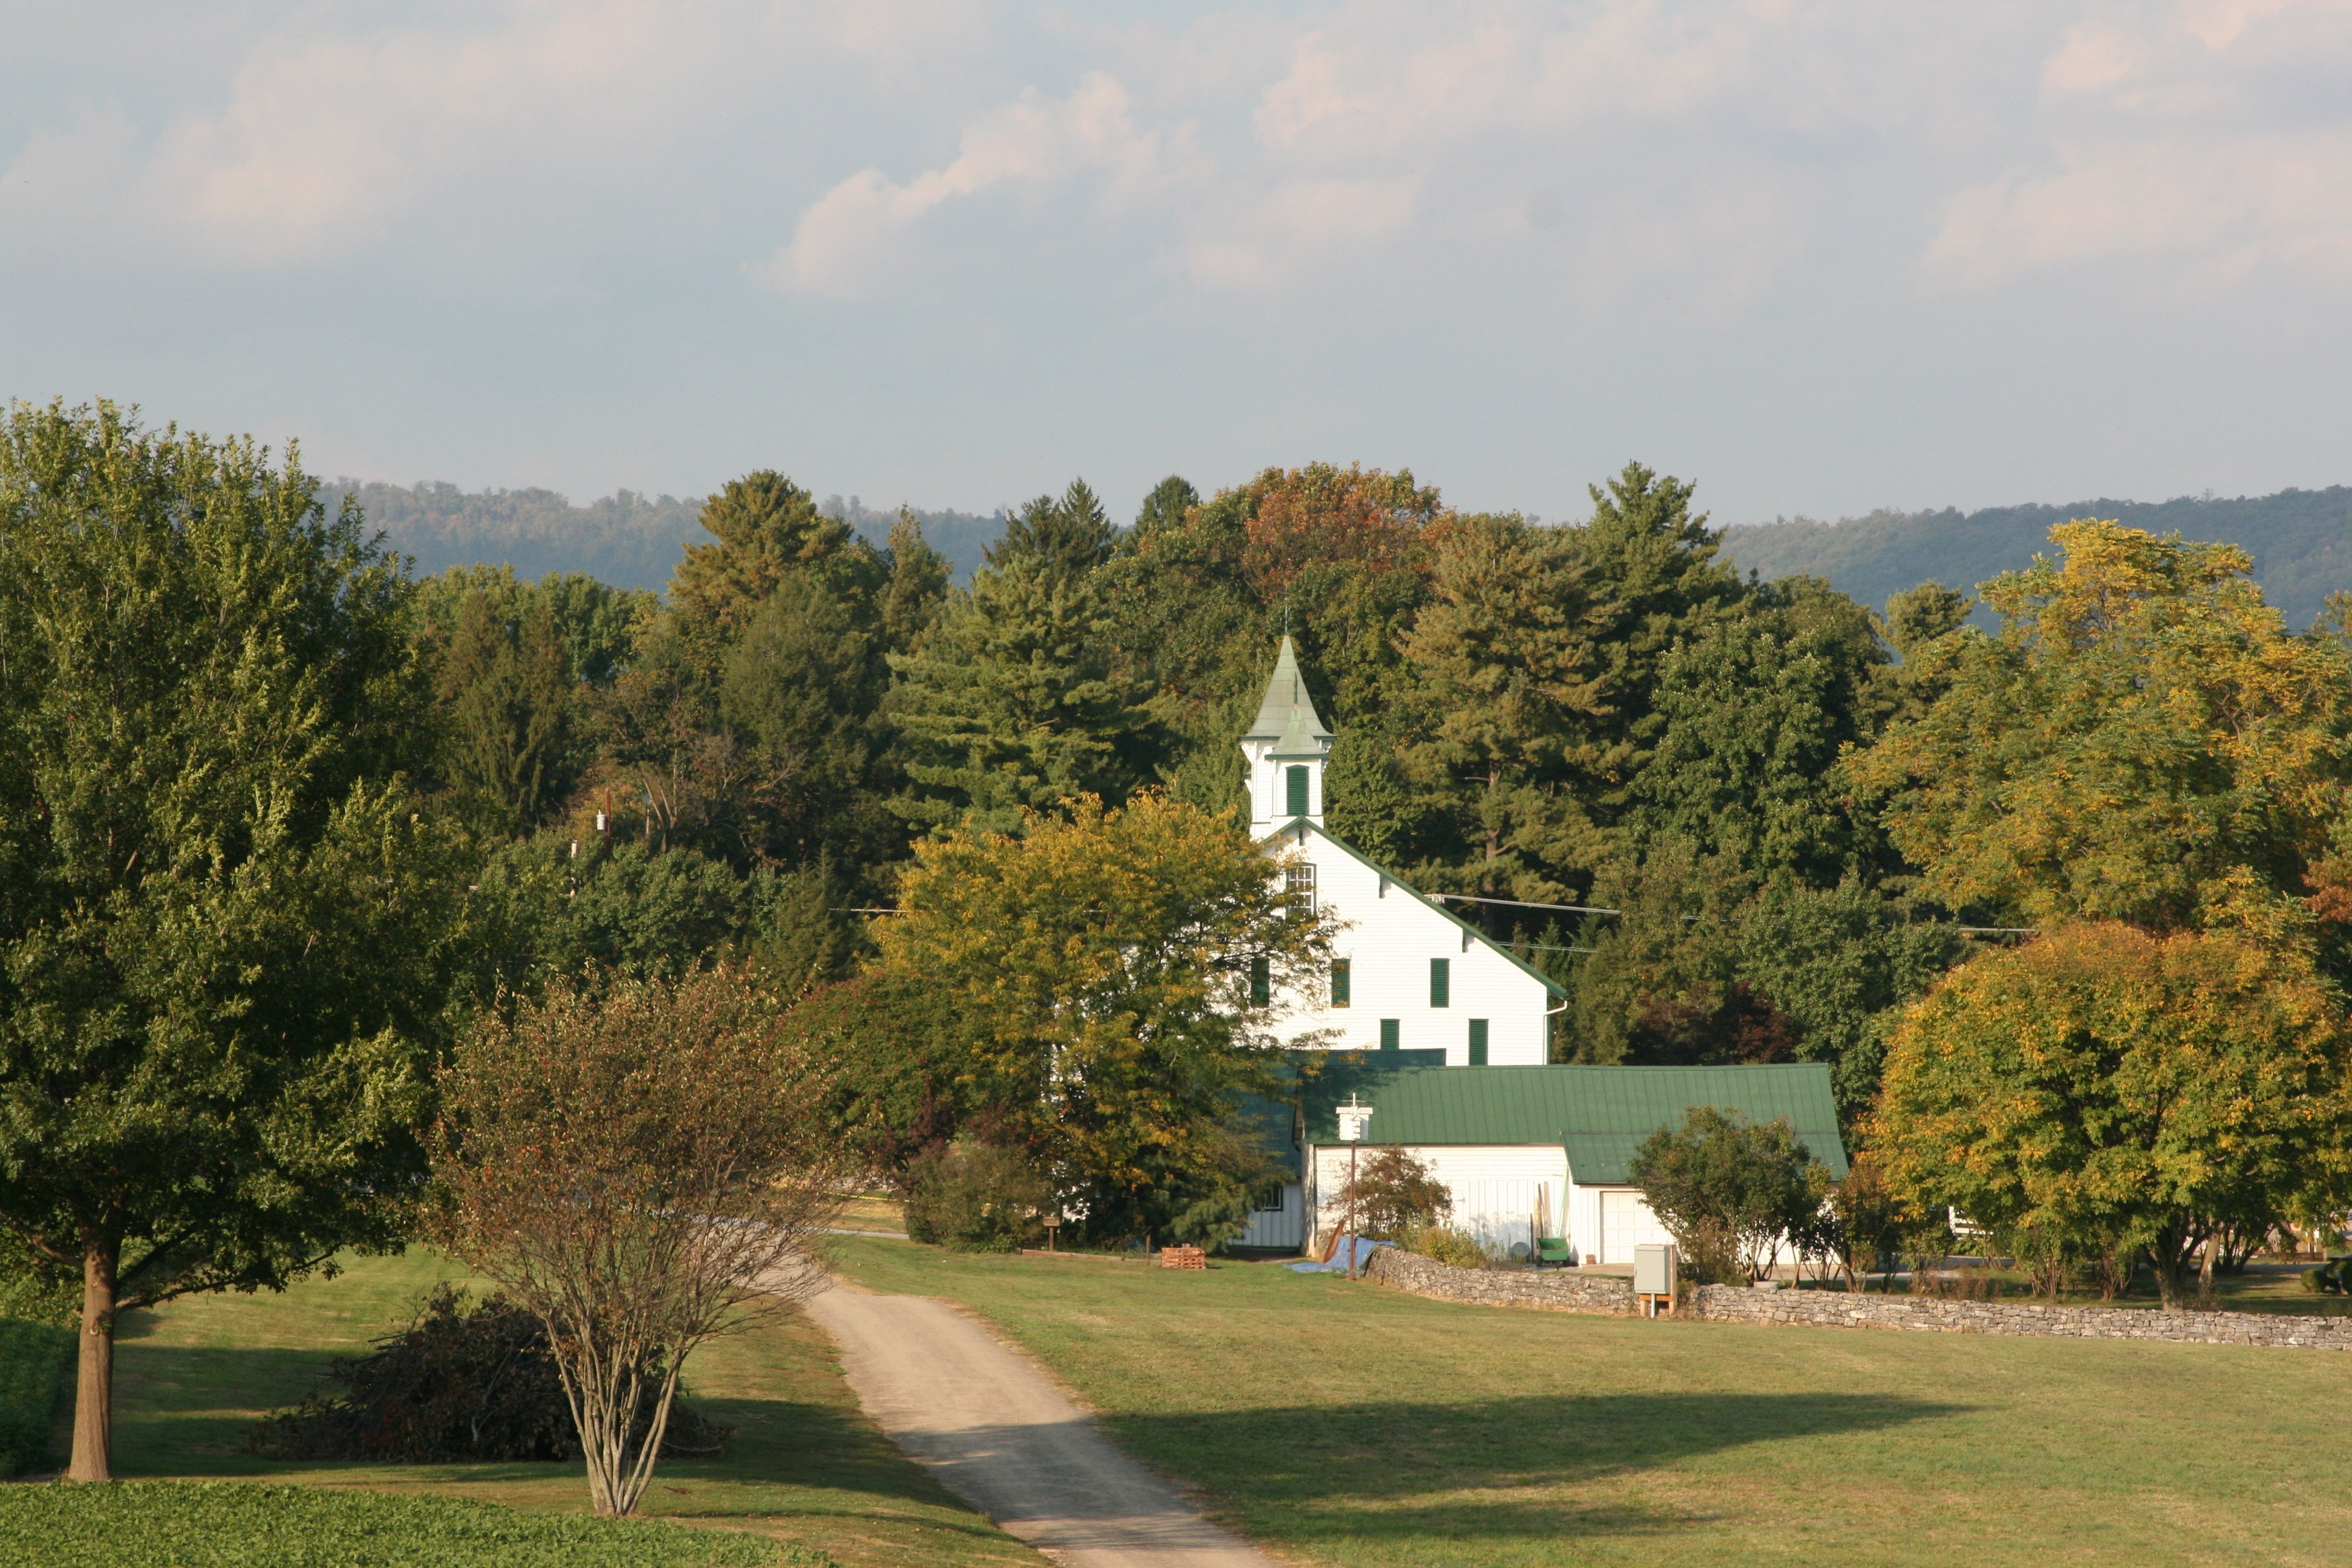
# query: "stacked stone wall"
1565,1290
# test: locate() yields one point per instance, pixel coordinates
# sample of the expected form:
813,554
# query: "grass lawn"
803,1466
221,1524
1350,1424
873,1211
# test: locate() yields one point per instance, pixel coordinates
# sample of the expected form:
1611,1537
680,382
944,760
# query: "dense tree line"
1599,714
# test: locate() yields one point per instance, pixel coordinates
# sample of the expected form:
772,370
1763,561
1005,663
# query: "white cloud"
2186,137
327,137
1268,240
854,239
1385,126
2226,205
2088,58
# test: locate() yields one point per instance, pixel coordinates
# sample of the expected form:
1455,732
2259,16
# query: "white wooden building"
1407,973
1446,1034
1527,1152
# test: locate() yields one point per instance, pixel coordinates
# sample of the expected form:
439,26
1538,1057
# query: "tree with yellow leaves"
2144,741
2112,1090
1104,969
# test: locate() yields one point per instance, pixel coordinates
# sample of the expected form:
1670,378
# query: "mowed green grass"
803,1466
1352,1423
222,1524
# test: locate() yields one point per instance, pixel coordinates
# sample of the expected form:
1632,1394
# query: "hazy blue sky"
1821,256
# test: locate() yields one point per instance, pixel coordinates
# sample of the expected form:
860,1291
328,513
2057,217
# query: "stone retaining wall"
1565,1290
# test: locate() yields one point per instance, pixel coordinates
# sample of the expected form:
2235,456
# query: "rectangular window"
1294,782
1341,977
1388,1033
1273,1203
1298,888
1261,982
1441,983
1477,1042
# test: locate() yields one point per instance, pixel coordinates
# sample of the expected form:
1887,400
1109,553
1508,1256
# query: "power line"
1520,904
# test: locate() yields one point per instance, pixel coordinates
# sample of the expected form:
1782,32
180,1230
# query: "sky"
1818,257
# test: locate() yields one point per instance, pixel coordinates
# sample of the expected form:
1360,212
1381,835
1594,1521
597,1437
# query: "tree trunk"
2169,1253
93,1427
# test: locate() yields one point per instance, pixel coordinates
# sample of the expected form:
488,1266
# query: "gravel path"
998,1433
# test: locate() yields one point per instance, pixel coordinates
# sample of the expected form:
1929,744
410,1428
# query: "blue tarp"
1363,1247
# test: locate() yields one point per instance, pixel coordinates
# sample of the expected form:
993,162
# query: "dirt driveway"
998,1433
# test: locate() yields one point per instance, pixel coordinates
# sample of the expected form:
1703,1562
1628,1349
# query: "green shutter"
1388,1033
1295,781
1261,982
1440,981
1339,978
1477,1042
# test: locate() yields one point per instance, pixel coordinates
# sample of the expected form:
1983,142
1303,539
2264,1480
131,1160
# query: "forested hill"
2301,542
627,539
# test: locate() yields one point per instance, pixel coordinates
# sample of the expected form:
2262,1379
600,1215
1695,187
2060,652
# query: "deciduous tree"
640,1166
2143,728
1099,966
221,925
1730,1190
2104,1084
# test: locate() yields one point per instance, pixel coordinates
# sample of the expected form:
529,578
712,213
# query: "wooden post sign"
1053,1222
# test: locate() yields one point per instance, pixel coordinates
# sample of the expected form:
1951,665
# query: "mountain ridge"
2301,542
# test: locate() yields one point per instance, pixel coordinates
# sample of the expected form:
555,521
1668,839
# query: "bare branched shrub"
640,1165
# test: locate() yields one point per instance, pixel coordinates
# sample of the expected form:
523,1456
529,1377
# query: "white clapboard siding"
1499,1190
1284,1226
1388,937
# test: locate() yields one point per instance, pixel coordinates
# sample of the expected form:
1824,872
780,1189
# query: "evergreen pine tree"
1650,568
765,525
1070,537
1511,715
919,583
1012,701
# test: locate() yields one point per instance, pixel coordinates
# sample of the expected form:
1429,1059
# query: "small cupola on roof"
1287,749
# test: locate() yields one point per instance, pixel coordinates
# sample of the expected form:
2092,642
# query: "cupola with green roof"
1287,749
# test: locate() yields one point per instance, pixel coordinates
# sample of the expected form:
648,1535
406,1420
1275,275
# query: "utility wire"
1520,904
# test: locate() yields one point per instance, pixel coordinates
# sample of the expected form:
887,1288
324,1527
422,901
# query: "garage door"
1627,1222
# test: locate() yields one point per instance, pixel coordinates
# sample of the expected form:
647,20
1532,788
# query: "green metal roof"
1287,713
1598,1114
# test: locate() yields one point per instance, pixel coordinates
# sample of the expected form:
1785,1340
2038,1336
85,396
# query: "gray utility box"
1653,1271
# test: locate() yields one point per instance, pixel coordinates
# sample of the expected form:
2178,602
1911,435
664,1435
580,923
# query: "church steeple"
1287,749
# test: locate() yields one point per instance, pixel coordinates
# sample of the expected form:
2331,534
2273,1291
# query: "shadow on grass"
188,1411
1406,1469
